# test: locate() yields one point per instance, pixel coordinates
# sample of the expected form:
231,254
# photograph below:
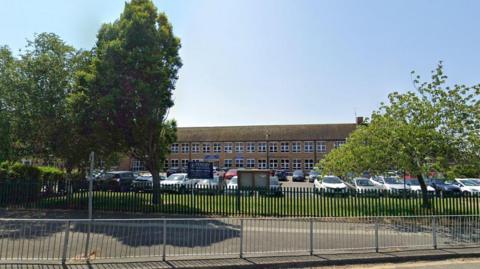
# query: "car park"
444,187
178,182
393,184
312,175
144,182
115,181
362,184
468,185
330,184
298,175
414,186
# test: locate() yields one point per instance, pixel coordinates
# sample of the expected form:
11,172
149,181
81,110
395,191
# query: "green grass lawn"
291,204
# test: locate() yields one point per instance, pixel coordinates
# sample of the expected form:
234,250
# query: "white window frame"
273,146
296,147
285,164
217,147
228,147
206,147
185,147
174,163
284,147
308,146
250,163
309,164
228,163
262,147
174,148
239,163
250,147
321,146
166,164
296,164
273,164
195,147
184,163
262,164
339,143
239,147
137,165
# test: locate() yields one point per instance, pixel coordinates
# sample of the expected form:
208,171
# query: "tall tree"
135,73
7,67
435,128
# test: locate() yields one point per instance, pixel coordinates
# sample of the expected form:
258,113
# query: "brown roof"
258,132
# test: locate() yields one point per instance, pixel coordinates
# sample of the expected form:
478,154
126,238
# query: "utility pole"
90,185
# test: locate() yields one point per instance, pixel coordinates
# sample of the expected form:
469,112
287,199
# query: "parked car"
330,184
144,182
116,181
362,185
298,175
274,190
211,185
313,175
230,174
414,185
178,182
390,183
468,185
281,175
444,187
175,170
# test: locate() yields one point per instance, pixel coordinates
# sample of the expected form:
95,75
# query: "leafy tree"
7,63
435,128
135,71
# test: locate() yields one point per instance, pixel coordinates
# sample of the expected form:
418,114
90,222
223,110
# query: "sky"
254,62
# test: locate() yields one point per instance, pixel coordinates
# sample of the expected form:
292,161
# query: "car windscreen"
470,183
392,180
364,182
233,180
332,180
414,182
297,173
175,177
315,174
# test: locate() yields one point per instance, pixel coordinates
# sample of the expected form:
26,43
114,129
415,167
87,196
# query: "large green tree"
135,70
434,128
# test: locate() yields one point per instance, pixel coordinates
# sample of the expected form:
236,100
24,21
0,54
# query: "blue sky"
282,62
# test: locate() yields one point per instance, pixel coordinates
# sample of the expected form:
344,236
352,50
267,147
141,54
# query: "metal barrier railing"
70,240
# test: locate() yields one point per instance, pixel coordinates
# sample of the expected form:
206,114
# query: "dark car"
281,175
444,188
175,170
298,175
313,175
116,181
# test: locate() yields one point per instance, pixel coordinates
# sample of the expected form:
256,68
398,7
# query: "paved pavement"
446,264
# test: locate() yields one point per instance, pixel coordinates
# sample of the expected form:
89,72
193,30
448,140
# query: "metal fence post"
434,232
241,238
87,242
164,243
311,236
376,235
65,242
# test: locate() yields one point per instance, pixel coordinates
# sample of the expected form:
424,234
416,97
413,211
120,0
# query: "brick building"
287,147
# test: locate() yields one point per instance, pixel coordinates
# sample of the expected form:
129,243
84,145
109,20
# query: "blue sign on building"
201,170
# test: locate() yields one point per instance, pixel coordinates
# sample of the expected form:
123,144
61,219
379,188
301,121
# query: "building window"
321,146
238,163
284,147
206,147
250,147
227,163
308,164
273,146
262,147
195,148
339,143
296,147
239,147
273,164
285,164
137,165
308,146
297,164
262,164
196,160
184,163
165,165
174,148
250,163
217,147
185,148
228,147
174,163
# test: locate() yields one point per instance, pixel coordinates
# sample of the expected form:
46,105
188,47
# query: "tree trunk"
156,184
423,186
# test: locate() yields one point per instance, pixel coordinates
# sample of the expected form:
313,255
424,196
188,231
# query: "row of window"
252,163
250,147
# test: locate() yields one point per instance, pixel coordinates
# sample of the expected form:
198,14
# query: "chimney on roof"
359,120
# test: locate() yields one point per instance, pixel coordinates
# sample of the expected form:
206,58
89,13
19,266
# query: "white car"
468,185
330,184
362,184
414,185
178,182
389,183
